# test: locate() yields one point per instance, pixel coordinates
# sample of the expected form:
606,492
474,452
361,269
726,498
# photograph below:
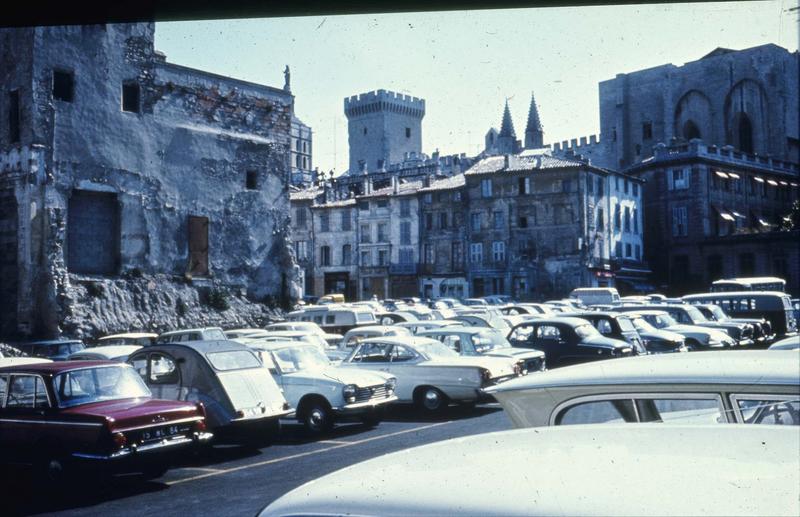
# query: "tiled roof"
336,203
493,164
487,165
455,181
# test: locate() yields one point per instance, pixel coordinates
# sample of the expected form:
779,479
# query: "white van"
595,295
333,318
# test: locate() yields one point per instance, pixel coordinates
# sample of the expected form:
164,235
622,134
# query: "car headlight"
349,393
391,384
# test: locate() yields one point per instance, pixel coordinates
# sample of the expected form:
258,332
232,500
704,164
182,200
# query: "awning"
721,174
760,180
773,183
733,175
723,213
784,183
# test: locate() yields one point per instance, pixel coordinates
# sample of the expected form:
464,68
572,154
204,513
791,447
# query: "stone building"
114,161
714,212
538,226
746,98
300,162
383,127
505,141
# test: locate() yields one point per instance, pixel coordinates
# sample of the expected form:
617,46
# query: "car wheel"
317,418
431,400
53,469
373,418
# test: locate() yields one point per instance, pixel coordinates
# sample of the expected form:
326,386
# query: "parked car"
245,334
741,333
420,326
595,295
762,330
428,373
118,353
787,343
241,398
128,338
483,318
61,415
336,319
306,326
678,470
751,386
20,361
775,307
527,308
323,393
615,326
498,299
198,334
54,349
566,341
358,334
292,335
655,340
475,302
696,338
477,341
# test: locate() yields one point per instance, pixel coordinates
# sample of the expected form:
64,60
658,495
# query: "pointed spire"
507,126
533,117
534,136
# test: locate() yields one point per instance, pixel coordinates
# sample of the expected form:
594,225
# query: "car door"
372,356
404,366
550,339
22,414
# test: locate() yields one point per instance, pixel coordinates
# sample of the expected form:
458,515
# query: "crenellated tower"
383,127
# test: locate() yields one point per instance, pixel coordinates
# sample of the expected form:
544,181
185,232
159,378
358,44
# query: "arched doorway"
743,133
690,130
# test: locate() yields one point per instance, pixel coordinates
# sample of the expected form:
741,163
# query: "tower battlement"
384,100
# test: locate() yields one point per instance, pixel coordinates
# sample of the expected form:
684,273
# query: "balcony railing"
404,269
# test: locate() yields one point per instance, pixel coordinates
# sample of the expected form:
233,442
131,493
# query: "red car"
64,415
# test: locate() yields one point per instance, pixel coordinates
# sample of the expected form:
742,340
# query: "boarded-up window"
93,233
13,116
198,245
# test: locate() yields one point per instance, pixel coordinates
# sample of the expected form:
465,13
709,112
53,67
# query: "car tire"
431,400
53,468
373,418
317,417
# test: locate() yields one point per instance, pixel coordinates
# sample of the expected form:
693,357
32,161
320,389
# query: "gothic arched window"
744,133
690,130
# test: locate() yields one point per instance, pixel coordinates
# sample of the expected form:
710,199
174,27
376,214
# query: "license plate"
160,432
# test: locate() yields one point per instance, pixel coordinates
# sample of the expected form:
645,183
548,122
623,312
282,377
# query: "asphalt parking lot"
233,480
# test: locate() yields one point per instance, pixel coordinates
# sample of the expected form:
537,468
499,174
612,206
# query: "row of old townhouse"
530,225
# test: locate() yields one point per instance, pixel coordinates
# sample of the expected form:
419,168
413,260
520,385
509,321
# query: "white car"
323,393
198,334
581,470
789,343
428,373
748,386
128,338
21,361
697,338
104,353
358,334
306,326
240,334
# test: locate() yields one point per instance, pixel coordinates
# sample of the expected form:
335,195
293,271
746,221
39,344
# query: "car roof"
109,350
585,467
456,329
52,342
749,367
203,347
608,314
371,328
649,312
200,329
724,294
398,340
569,320
57,367
132,335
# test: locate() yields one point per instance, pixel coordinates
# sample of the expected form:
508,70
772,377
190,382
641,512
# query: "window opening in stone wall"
408,132
647,130
744,133
347,254
747,264
93,233
130,97
198,245
63,85
324,256
13,116
714,267
251,180
365,131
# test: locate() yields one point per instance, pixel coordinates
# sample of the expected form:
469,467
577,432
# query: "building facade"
113,160
716,212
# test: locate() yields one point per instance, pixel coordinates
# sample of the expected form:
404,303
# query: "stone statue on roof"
287,79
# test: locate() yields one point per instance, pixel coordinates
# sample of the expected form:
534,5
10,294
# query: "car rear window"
364,316
233,360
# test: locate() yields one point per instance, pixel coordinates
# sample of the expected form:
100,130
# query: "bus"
774,306
758,283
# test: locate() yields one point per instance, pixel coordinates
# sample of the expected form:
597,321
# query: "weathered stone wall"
187,151
99,307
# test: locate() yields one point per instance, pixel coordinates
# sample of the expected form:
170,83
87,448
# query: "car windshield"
489,339
625,324
214,334
435,349
89,385
660,321
69,348
642,324
588,330
233,360
315,339
299,358
695,315
718,313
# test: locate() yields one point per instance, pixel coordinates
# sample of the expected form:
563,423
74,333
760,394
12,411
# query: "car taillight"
119,440
200,426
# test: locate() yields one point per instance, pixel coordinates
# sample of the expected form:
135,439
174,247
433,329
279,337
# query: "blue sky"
466,63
